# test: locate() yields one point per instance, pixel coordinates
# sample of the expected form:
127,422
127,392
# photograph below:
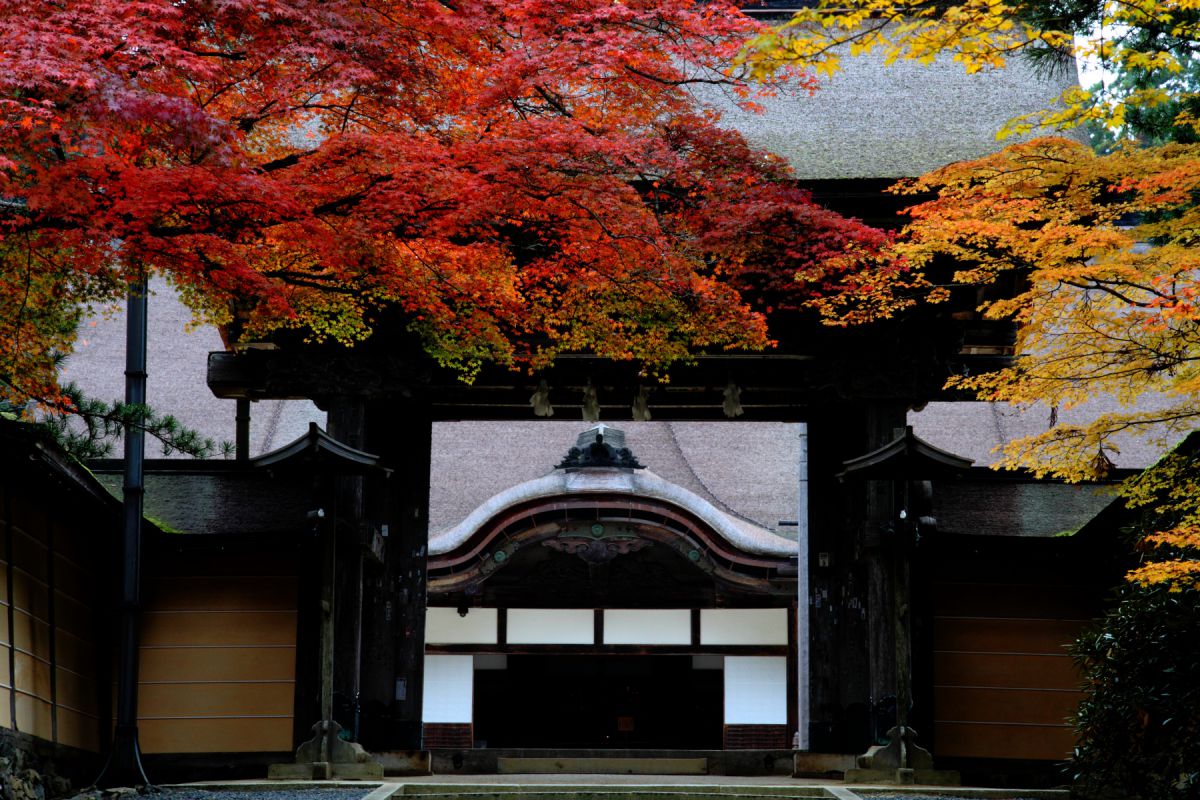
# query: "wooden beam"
608,649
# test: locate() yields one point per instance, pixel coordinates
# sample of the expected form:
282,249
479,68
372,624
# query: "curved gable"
740,535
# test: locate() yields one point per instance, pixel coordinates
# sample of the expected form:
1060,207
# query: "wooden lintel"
606,649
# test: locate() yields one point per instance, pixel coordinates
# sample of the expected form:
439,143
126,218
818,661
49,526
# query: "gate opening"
599,702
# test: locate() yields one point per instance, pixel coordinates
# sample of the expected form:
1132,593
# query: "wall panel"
446,626
749,626
51,689
76,729
449,689
218,662
647,626
214,734
756,690
992,740
551,626
1004,684
31,638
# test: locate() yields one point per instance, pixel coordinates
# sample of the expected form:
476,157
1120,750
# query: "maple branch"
1094,284
328,284
342,204
235,55
677,82
28,287
290,160
553,100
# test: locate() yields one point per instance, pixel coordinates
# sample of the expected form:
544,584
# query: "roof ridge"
712,496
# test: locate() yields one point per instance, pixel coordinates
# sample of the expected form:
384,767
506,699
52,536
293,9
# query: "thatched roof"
902,120
177,366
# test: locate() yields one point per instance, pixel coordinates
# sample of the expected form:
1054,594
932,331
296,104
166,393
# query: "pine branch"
90,428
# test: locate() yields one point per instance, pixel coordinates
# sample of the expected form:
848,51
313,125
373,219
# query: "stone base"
816,765
405,762
326,770
326,757
905,777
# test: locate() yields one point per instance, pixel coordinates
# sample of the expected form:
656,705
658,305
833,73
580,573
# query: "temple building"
787,556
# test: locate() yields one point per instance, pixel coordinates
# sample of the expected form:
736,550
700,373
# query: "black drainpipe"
124,766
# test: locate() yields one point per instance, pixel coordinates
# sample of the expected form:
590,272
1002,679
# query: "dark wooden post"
340,521
124,767
348,424
897,465
882,423
394,641
241,422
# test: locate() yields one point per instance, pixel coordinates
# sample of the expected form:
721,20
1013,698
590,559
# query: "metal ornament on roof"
591,403
641,405
541,401
601,446
732,402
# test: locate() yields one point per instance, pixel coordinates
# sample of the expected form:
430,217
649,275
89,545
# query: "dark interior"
599,702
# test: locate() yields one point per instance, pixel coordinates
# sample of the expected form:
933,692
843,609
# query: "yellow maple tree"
1098,252
1107,302
1120,36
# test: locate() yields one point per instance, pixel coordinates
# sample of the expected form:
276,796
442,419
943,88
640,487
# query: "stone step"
624,793
595,765
616,791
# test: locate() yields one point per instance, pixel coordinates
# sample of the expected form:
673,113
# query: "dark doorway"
599,702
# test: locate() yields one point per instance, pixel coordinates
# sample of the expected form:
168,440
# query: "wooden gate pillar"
395,602
892,475
340,469
882,423
347,526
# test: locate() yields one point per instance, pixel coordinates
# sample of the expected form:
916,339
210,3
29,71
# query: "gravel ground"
262,794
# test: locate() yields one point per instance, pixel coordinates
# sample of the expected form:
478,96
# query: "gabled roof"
978,430
987,503
905,457
320,452
27,450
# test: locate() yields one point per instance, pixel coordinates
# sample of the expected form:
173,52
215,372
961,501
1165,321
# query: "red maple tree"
518,177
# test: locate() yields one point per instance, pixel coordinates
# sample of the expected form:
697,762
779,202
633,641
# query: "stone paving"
589,786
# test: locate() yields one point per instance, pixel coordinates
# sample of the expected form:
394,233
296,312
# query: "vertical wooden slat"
12,649
50,619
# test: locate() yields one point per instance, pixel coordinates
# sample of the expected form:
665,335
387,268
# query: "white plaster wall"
755,690
445,626
449,688
551,626
744,626
647,626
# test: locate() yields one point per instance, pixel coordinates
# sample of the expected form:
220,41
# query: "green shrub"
1139,726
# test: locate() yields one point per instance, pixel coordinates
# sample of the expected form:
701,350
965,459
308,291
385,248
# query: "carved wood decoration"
626,526
597,543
